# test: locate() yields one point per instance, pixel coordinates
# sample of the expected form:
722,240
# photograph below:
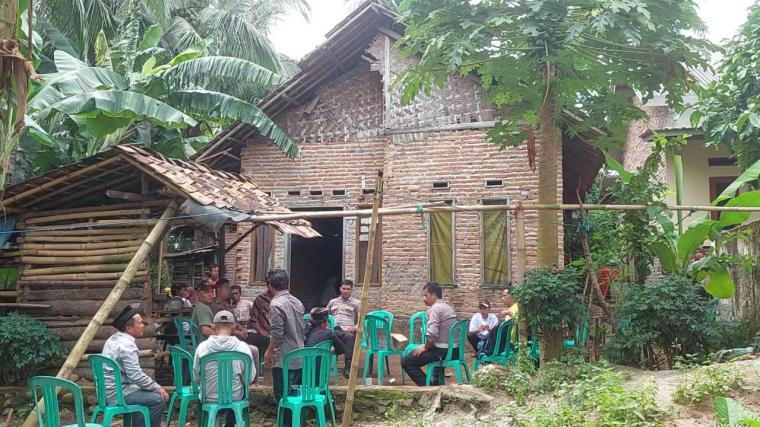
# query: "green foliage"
550,299
26,346
515,379
729,108
639,232
730,413
598,398
661,320
567,55
706,382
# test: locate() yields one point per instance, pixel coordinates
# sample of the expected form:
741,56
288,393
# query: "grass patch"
707,382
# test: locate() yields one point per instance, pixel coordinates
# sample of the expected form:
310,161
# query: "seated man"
345,310
244,329
203,316
481,325
137,387
222,297
318,330
223,340
441,317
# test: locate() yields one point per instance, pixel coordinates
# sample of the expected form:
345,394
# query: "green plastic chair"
314,389
581,333
503,351
225,400
414,344
373,325
52,418
330,320
191,340
457,340
185,393
327,345
98,365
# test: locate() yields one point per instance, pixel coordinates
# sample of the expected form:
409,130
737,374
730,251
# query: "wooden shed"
78,226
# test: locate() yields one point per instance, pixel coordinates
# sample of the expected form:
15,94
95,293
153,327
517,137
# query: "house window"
262,254
717,185
494,245
441,247
362,243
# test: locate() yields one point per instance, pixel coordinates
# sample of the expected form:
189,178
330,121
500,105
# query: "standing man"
223,340
213,274
345,310
286,320
203,316
441,317
241,309
481,325
137,387
222,297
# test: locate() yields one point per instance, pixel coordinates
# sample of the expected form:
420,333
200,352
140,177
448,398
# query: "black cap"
203,286
123,317
318,314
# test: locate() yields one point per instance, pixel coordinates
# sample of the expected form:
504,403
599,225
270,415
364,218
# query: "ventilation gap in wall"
440,185
368,191
268,193
339,193
721,161
294,192
492,183
315,193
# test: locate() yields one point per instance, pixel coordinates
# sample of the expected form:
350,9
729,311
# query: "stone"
406,403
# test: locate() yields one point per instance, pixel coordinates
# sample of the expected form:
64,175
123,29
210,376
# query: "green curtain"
495,249
441,248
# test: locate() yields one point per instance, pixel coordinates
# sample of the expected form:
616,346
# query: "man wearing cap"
345,310
286,320
481,325
224,340
203,316
318,330
137,387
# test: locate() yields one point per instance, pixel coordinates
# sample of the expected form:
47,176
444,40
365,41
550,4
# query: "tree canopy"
729,107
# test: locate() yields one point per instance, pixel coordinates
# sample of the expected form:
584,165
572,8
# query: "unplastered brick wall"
637,149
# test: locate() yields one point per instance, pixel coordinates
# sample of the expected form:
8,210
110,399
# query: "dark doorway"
316,265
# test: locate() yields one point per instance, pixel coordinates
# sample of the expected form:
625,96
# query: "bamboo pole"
83,276
520,243
105,309
129,250
92,214
82,246
95,268
482,208
353,376
85,233
34,238
76,260
150,203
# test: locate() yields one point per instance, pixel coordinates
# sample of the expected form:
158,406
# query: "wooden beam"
240,239
93,189
80,215
97,321
150,203
56,181
73,186
123,195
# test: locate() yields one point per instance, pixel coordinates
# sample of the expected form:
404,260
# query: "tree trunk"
548,172
8,135
553,344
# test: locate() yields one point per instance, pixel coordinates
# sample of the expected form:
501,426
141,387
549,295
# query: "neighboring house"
348,124
706,170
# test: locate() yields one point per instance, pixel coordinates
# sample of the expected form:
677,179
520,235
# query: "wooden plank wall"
72,258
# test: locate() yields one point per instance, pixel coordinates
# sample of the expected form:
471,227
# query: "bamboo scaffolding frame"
73,253
84,276
82,246
151,203
84,268
90,214
89,232
125,278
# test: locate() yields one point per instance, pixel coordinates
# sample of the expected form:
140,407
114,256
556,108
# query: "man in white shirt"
481,325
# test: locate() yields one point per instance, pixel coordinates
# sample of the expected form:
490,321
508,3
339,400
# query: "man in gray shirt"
137,387
286,320
345,310
440,317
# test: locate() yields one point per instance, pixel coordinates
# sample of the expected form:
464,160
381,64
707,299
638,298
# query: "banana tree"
712,269
173,105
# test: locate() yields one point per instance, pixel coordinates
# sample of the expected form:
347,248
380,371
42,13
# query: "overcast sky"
296,37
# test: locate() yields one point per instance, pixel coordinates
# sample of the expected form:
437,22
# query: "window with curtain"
262,253
441,247
495,245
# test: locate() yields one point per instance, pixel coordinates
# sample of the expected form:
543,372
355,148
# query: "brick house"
707,171
349,123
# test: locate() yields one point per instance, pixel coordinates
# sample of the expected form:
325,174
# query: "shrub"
550,299
709,381
663,319
515,380
25,347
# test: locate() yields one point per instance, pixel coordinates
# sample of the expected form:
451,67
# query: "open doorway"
316,265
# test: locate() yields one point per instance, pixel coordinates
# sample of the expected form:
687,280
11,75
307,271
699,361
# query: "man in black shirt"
318,330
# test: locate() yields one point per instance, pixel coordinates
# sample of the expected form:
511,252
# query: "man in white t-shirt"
481,325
